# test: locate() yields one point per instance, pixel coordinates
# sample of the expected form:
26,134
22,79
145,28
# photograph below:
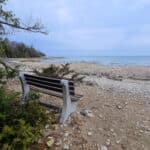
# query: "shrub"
19,126
63,71
7,72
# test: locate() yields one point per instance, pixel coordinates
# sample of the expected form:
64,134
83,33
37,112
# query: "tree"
9,20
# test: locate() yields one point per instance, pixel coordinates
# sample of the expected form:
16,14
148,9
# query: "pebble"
47,126
103,147
119,106
89,133
66,134
58,142
100,129
87,113
108,142
49,137
56,127
40,141
47,112
100,116
50,142
112,130
63,125
141,131
65,147
118,141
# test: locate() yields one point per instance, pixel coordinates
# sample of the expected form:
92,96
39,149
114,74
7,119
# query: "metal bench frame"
69,105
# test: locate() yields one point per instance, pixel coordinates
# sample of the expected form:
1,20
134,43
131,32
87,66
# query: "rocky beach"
114,113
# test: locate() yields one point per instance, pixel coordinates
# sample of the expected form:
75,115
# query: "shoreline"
56,60
130,79
132,72
120,107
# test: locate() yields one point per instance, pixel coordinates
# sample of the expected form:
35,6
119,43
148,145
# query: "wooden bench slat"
54,80
48,87
73,98
61,88
32,79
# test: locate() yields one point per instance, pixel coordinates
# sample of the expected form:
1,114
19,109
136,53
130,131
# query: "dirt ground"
119,122
120,117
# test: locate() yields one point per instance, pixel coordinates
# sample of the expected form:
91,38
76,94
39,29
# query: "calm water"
106,60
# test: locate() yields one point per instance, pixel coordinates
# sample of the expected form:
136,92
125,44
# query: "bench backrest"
52,84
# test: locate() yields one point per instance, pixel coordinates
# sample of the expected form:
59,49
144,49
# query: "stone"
89,133
87,113
63,125
65,147
112,130
108,142
100,116
56,127
103,147
66,134
119,106
100,129
118,141
50,142
141,131
58,142
40,141
47,112
46,126
49,137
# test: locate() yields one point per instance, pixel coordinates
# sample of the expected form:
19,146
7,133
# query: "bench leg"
68,106
25,88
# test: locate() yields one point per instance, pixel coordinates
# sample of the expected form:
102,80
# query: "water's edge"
104,60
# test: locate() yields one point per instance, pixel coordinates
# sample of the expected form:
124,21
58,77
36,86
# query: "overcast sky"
86,27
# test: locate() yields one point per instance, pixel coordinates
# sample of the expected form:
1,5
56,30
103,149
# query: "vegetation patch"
63,71
19,50
19,126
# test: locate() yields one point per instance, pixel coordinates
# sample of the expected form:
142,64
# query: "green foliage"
19,126
34,95
7,72
62,71
18,50
18,136
7,16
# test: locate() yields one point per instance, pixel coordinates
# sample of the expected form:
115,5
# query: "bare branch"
36,28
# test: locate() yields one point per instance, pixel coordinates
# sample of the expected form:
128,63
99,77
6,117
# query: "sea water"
105,60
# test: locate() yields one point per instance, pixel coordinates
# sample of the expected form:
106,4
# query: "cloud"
90,38
86,25
141,39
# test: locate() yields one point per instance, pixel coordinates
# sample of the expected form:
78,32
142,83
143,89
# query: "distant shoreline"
104,61
35,59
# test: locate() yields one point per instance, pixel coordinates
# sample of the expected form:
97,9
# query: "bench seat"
74,98
61,88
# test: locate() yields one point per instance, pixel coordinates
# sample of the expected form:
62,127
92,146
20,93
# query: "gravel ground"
118,99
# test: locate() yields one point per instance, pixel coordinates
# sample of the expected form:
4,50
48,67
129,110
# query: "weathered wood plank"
48,87
54,80
58,85
60,95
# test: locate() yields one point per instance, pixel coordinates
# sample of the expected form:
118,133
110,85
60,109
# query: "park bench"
61,88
